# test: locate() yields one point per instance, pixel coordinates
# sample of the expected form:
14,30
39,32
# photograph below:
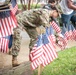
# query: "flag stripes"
56,27
14,9
7,25
44,54
47,50
4,45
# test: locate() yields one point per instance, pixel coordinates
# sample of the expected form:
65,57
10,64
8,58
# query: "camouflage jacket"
34,18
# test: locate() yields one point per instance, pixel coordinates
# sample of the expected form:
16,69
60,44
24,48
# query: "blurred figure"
68,12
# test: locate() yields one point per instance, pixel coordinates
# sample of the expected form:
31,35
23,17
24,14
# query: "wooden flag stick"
39,70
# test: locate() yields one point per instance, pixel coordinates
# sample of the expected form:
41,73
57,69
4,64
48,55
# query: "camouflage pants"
16,42
31,31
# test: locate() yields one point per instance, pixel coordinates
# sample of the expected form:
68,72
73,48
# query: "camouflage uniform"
29,20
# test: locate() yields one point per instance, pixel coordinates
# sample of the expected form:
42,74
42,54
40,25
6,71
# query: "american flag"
14,7
55,26
36,55
52,36
7,23
4,45
49,50
44,52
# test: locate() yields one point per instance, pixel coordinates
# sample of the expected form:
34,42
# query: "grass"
65,64
32,6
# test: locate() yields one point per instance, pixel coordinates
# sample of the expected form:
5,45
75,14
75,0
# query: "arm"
71,5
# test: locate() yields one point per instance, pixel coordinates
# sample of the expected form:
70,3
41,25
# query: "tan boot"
14,61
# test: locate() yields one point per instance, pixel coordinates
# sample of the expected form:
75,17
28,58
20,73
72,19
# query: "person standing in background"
68,12
52,4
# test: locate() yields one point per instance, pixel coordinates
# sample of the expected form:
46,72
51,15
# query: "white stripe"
47,54
51,56
13,23
32,65
5,29
53,50
8,26
2,29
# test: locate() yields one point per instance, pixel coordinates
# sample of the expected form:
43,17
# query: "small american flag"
56,27
51,36
49,50
7,23
14,7
4,45
36,55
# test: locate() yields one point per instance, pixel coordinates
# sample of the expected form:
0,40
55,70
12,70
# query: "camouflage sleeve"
27,18
44,18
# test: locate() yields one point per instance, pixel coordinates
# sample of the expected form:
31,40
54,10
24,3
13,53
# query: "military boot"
14,61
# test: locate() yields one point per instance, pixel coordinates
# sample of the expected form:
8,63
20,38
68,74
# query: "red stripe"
14,10
56,27
2,28
3,45
7,25
5,21
47,54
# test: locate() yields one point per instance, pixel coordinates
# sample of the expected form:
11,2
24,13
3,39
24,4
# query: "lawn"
65,64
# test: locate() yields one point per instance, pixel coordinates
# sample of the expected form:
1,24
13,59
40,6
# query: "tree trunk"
29,3
24,6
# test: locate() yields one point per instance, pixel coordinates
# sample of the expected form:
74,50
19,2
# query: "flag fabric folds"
56,27
49,50
36,55
14,7
6,26
7,22
4,45
62,43
43,52
51,36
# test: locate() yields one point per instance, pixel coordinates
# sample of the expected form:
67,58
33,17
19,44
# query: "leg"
33,34
65,19
10,41
16,46
73,20
10,44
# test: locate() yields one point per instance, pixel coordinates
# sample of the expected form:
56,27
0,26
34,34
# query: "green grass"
65,64
32,6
